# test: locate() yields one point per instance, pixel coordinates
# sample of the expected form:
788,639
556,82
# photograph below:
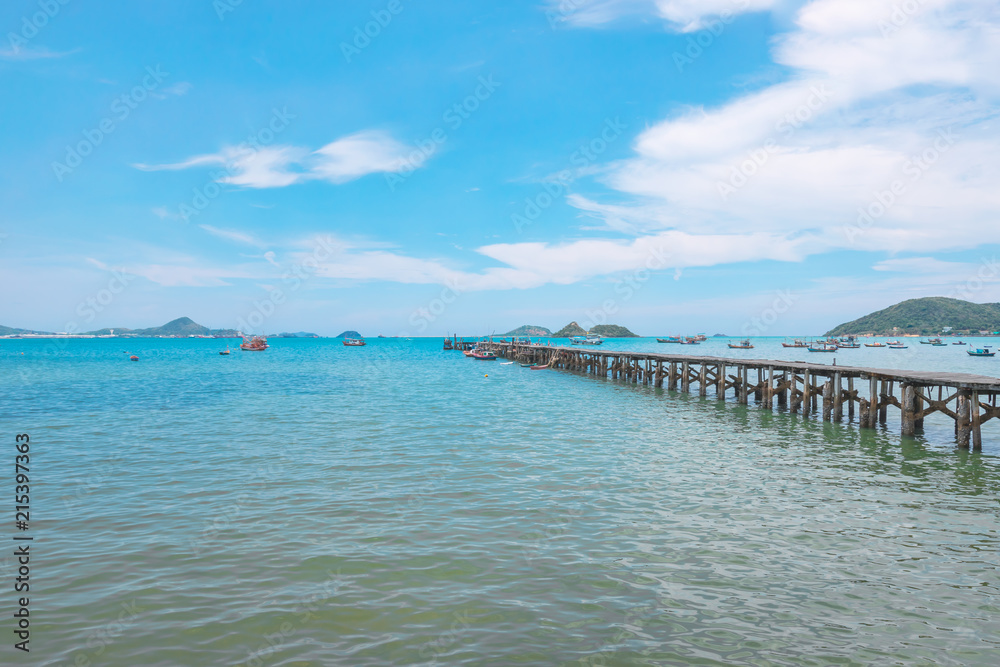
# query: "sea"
397,504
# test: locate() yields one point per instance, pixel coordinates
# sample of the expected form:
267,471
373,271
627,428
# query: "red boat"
354,342
483,356
254,344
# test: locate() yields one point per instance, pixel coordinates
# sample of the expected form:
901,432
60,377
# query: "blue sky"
743,166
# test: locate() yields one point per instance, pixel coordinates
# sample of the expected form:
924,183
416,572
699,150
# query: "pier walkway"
800,387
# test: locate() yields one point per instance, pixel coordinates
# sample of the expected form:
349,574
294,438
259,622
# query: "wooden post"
742,393
872,417
796,394
977,436
658,382
703,380
908,426
918,407
827,400
685,377
883,412
850,398
783,392
838,399
757,395
963,424
720,388
806,391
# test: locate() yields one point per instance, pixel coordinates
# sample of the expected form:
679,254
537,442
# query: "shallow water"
316,504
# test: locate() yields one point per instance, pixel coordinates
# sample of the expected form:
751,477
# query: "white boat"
589,339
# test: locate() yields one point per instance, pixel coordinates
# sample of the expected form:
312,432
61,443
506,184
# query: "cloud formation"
346,159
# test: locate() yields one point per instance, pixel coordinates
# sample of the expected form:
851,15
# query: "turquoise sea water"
322,505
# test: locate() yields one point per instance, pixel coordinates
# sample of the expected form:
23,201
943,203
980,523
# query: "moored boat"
355,342
797,343
874,344
744,344
483,355
254,344
669,339
984,351
823,346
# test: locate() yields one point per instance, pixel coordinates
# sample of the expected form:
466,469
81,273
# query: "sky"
752,167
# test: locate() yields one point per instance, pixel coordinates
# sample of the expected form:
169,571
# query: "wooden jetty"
799,387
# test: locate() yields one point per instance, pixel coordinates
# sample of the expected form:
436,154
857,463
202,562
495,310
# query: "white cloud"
234,235
30,53
368,152
340,161
877,98
683,15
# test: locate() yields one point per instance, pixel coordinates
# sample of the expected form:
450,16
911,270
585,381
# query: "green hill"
571,329
10,331
349,334
612,331
529,330
182,326
925,316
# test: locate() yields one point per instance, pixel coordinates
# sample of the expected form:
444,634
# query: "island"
925,317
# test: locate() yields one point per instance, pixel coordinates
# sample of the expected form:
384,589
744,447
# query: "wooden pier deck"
800,387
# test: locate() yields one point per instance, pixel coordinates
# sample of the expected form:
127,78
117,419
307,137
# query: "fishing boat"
874,344
849,346
483,355
984,351
701,338
526,365
225,351
931,341
589,339
823,346
742,345
254,344
669,339
797,343
893,342
939,344
690,341
355,342
539,368
958,342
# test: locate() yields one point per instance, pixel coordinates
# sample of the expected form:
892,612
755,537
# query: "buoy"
133,358
487,375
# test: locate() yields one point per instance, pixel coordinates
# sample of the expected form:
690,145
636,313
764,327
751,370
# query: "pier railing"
800,387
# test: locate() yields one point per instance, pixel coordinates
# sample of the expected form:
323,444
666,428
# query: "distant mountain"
571,329
349,334
10,331
930,315
182,326
529,330
108,332
297,334
612,331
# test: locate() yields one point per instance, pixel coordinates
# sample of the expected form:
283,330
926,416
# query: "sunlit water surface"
316,504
